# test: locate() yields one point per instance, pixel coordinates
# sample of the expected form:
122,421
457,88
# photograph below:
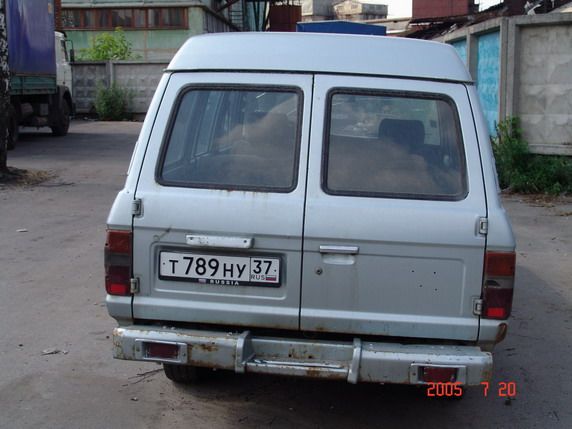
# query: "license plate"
220,270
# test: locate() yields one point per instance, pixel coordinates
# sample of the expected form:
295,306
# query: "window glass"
394,146
63,51
104,18
122,18
139,18
71,18
166,17
173,17
154,18
88,18
233,139
127,18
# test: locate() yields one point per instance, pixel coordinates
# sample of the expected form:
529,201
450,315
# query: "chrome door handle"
341,250
219,241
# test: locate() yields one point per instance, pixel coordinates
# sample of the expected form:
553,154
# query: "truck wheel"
13,132
185,373
63,124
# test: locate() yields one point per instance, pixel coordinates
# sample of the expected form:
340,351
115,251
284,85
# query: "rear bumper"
359,361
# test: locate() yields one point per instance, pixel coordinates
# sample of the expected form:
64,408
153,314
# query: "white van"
312,205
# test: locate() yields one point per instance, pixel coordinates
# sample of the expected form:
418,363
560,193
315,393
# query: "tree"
108,46
4,91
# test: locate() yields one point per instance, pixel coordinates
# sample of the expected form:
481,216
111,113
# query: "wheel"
185,373
63,123
13,132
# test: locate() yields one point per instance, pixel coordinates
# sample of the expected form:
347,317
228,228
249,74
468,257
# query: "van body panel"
500,236
419,265
171,213
321,53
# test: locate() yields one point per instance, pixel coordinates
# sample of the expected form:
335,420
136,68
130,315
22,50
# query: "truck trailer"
40,73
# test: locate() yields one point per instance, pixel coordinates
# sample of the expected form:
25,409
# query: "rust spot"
501,333
314,373
317,373
209,347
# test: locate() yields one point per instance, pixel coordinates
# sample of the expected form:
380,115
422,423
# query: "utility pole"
4,90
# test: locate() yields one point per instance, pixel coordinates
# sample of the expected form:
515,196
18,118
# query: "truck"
40,72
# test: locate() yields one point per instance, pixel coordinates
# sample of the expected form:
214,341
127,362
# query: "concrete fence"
140,77
523,67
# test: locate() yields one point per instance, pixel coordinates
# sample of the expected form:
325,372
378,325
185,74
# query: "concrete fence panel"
86,79
139,77
543,98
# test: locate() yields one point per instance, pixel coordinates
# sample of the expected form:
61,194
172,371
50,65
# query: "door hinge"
137,207
483,226
134,283
478,307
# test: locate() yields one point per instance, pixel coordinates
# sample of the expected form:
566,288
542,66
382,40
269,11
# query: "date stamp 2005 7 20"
505,389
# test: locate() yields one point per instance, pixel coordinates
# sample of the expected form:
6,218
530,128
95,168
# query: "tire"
185,374
63,123
13,132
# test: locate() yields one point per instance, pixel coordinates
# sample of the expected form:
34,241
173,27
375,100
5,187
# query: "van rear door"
219,237
394,204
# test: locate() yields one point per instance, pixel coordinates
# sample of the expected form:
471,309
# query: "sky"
401,8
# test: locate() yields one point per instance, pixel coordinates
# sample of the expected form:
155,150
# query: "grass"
524,172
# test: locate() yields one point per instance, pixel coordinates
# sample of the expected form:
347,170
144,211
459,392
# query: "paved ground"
51,297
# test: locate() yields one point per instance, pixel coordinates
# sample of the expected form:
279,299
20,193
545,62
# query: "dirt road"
56,369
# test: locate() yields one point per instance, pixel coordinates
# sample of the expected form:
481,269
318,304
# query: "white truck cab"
312,205
63,66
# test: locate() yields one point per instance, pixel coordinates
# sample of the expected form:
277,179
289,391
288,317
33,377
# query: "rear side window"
394,145
233,138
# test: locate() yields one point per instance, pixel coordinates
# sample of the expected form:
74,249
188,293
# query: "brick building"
422,9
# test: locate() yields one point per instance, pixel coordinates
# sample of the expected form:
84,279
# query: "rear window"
394,145
233,138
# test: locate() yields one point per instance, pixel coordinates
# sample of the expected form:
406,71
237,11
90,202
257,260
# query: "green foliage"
108,46
521,171
112,104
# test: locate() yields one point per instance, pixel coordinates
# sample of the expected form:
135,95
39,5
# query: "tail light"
436,374
118,262
498,284
161,350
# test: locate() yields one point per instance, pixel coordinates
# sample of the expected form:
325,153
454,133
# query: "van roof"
321,53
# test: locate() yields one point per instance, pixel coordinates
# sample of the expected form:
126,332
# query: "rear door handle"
341,250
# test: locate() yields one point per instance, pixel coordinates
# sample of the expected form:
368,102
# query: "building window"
71,19
89,19
154,18
122,18
126,18
104,19
139,18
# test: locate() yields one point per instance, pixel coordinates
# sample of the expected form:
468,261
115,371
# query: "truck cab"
63,59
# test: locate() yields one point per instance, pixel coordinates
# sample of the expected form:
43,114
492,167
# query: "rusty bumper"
357,361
